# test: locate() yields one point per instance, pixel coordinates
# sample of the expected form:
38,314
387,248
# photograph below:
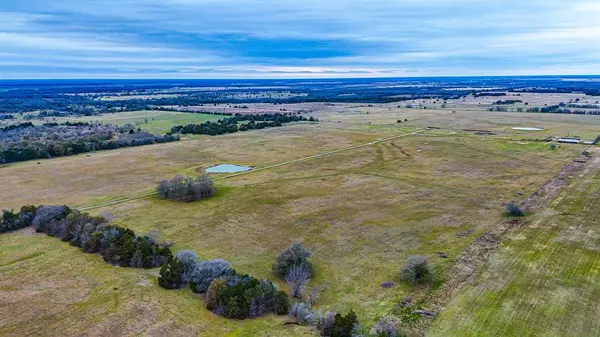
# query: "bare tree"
417,270
297,278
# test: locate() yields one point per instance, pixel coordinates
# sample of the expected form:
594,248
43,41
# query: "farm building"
569,140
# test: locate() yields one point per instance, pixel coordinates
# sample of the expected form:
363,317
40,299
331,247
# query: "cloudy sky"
296,38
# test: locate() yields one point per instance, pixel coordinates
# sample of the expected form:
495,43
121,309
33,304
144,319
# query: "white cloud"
376,37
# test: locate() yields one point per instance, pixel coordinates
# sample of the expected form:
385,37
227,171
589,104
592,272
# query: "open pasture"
361,211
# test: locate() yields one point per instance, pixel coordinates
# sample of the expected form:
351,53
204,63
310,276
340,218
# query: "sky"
297,38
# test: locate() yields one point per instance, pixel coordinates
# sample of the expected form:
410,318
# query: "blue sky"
296,38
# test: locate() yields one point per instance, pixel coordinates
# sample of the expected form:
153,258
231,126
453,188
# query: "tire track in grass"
258,169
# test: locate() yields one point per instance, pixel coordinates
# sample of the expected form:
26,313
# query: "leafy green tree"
294,255
343,326
171,275
282,303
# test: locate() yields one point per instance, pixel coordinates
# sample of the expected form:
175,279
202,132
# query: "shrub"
343,326
302,313
513,209
171,274
206,271
282,303
12,221
294,255
325,323
9,221
186,189
189,258
417,270
297,278
387,327
212,294
243,296
51,219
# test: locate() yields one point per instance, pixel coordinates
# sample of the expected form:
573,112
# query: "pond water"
525,128
228,168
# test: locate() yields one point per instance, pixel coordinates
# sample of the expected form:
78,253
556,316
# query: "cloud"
290,38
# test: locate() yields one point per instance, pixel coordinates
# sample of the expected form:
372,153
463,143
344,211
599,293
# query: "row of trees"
230,125
508,102
226,292
92,234
27,141
558,109
234,295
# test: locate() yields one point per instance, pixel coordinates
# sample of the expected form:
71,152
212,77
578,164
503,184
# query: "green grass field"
543,281
361,211
159,122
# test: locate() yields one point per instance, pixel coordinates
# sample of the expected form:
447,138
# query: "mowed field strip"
258,169
544,280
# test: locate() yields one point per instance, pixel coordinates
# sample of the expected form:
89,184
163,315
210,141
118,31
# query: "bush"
343,326
513,209
417,270
282,303
51,219
294,255
9,221
302,313
212,294
325,323
189,258
244,296
186,189
171,274
206,271
387,327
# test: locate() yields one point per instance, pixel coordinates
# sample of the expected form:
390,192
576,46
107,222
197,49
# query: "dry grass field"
361,211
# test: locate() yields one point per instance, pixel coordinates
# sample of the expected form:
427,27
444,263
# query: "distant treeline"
567,90
229,125
508,102
489,94
60,98
557,109
26,141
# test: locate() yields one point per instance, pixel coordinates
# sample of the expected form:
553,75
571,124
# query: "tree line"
92,234
230,124
27,141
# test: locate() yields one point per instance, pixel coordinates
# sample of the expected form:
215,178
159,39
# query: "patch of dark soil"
400,148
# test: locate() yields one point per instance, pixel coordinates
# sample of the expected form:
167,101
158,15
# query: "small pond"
525,128
228,168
